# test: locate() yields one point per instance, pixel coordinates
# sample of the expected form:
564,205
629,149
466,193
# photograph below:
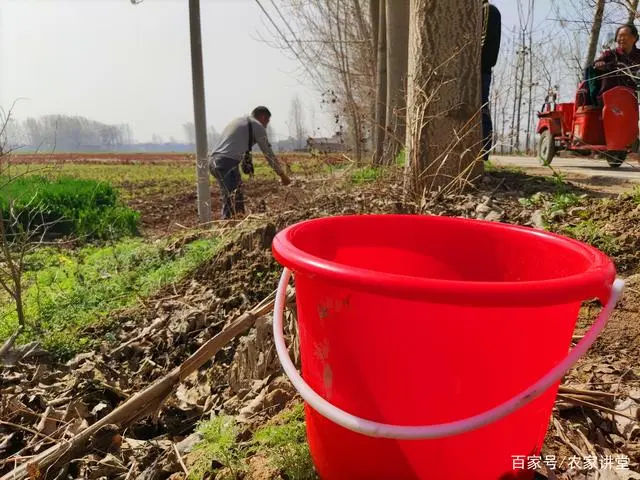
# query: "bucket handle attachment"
383,430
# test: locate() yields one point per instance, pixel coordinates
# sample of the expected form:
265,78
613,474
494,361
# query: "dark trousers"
230,183
487,125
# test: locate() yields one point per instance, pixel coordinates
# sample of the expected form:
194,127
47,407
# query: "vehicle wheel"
546,148
615,159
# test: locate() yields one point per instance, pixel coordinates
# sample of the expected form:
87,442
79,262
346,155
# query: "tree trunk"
381,82
633,10
595,34
397,63
364,34
444,96
504,126
530,102
520,91
374,13
493,101
512,132
530,83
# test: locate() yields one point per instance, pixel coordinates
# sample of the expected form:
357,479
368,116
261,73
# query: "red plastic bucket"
432,347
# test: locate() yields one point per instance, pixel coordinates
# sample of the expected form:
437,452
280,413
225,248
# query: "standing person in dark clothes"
491,36
234,150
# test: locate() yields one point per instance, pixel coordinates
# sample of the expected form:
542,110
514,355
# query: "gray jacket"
234,142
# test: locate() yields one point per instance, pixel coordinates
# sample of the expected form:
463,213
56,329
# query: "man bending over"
234,150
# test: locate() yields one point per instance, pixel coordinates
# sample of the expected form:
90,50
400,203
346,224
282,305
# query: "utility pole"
199,113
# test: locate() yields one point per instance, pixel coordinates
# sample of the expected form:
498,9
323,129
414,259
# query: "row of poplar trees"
404,75
428,89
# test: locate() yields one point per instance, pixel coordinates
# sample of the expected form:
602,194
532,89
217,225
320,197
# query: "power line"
293,33
297,40
275,25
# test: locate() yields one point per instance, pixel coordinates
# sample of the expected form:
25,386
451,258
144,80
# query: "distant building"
326,144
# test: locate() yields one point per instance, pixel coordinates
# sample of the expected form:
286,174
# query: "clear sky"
118,63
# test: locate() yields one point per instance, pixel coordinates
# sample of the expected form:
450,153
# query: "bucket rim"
594,282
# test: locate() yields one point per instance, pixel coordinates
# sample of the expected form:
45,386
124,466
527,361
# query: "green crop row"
64,206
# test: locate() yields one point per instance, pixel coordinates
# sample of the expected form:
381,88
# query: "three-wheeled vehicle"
609,128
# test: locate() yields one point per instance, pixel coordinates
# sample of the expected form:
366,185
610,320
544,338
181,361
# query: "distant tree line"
189,129
213,136
67,133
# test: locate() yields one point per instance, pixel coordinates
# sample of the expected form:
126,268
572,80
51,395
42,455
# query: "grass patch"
69,290
146,179
535,200
115,173
67,206
553,203
131,180
365,174
219,445
492,168
329,168
553,207
372,173
591,232
558,179
635,194
564,201
557,201
285,445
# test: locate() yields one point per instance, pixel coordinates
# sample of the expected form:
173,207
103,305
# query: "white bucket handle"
382,430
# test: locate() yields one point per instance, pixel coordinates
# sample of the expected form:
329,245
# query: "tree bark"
520,91
512,132
595,34
530,84
444,96
374,14
364,34
381,83
397,12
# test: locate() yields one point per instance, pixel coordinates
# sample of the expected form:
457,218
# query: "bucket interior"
440,249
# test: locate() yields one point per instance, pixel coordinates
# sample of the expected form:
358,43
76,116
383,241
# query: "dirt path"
593,173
